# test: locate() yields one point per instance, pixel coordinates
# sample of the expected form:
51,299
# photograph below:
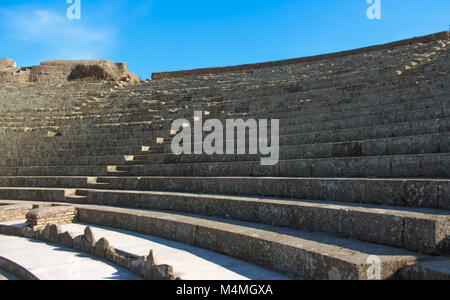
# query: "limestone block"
54,231
157,272
101,248
86,242
28,232
65,239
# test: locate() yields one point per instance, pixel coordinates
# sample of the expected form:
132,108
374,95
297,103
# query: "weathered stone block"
65,239
14,212
86,242
55,215
101,248
421,193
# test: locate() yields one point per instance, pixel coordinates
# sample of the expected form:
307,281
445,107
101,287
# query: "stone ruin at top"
58,71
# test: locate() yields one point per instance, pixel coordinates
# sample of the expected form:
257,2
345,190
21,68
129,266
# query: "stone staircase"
362,184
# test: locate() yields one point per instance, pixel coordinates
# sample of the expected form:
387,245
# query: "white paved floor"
50,262
190,263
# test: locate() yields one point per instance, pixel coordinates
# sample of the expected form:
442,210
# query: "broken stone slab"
89,236
110,253
129,261
163,272
101,248
153,271
65,239
29,232
10,230
49,233
86,242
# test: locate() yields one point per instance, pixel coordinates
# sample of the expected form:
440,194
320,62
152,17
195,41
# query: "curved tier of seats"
364,164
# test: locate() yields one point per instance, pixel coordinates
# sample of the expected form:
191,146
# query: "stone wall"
6,63
51,215
10,73
59,71
14,212
445,35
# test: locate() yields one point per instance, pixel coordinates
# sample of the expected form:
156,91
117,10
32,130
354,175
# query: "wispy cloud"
61,37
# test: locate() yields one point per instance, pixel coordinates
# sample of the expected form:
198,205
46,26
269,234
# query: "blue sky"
163,35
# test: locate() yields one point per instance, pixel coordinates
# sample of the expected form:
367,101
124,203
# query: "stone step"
326,99
340,91
151,136
421,230
417,144
381,99
395,56
293,118
424,193
431,126
140,130
89,102
365,121
389,166
389,63
423,144
287,125
361,122
334,112
395,226
326,92
90,171
346,107
358,80
385,119
296,253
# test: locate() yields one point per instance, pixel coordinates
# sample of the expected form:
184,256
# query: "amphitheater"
88,180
